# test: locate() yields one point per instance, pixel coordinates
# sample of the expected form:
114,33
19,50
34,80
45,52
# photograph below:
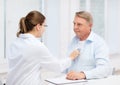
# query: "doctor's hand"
72,75
74,54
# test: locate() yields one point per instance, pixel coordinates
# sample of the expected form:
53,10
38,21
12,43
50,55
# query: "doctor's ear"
38,26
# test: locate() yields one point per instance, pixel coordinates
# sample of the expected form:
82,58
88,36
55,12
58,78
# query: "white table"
112,80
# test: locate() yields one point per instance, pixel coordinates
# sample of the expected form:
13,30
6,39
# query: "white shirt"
26,56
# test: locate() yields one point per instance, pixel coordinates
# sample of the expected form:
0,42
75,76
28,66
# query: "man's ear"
90,25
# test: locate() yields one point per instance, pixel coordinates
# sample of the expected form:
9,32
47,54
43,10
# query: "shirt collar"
91,37
27,35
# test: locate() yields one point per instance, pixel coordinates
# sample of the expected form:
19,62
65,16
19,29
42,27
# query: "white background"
59,14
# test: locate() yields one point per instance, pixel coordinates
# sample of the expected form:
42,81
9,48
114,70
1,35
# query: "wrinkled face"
81,27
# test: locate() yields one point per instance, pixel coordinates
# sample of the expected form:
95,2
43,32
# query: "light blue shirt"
93,59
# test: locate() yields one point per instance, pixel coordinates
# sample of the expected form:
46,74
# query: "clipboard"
61,80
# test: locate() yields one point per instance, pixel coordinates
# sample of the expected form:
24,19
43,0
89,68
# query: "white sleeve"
41,55
56,65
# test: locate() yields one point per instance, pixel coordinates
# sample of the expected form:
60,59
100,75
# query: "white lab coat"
26,56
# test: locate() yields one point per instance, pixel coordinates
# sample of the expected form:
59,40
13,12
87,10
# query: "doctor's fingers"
74,54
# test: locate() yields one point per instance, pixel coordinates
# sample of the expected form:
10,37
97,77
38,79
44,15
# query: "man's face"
81,27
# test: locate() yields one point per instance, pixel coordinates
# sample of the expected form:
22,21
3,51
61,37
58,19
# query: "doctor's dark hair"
27,23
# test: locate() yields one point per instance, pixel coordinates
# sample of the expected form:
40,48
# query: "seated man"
93,61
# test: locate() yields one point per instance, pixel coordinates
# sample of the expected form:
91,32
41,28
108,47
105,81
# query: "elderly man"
93,61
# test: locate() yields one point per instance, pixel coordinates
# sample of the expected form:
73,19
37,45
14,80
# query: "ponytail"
22,27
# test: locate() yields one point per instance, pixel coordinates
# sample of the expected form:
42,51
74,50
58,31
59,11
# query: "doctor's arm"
54,64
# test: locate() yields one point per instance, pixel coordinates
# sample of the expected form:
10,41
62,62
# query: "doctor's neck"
35,33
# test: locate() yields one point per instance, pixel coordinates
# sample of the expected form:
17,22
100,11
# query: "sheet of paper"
62,80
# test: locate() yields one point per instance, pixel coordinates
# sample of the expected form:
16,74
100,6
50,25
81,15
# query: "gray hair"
85,15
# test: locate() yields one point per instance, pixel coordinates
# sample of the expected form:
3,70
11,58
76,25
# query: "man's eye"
78,24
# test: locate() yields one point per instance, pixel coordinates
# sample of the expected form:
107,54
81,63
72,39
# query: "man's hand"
72,75
74,54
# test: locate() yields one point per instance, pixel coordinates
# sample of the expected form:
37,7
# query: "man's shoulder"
98,38
99,41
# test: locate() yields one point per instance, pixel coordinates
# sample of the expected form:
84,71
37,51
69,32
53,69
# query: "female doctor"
27,55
